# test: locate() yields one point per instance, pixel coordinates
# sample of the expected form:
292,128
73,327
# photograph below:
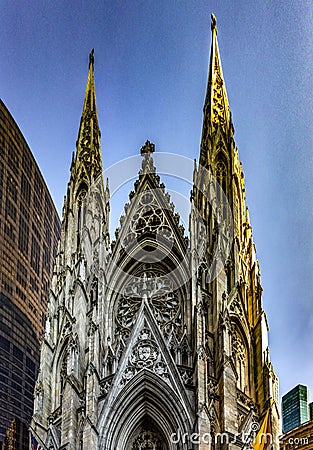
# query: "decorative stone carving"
236,307
147,148
212,390
186,375
245,399
66,330
202,356
239,353
149,218
164,302
145,355
147,440
105,386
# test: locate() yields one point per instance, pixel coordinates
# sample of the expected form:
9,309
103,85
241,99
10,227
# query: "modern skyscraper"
157,340
29,233
295,408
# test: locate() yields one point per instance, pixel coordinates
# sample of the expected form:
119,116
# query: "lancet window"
241,360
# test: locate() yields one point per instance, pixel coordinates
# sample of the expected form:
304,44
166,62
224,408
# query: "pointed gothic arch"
241,354
60,370
145,399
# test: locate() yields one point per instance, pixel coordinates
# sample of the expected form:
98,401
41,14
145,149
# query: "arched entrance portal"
143,416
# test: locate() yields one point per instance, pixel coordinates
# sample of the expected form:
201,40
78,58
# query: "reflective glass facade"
29,233
295,408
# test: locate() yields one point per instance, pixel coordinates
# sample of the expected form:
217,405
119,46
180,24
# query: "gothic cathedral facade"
157,340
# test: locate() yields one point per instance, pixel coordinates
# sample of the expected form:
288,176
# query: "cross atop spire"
88,161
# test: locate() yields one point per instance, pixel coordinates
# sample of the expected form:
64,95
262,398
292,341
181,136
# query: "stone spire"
86,179
216,107
87,164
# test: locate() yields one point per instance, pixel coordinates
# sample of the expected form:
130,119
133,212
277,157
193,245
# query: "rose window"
157,289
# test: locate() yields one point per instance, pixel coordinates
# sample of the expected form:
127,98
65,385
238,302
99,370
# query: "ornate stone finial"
91,58
213,22
147,148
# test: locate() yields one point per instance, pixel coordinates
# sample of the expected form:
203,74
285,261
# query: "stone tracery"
145,355
157,289
240,352
147,440
149,217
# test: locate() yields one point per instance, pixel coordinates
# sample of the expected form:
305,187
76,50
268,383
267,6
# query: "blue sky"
151,62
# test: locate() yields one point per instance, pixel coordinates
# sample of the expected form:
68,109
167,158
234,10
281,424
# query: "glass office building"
29,234
295,409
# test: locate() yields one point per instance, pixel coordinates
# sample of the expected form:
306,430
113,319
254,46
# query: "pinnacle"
216,107
88,160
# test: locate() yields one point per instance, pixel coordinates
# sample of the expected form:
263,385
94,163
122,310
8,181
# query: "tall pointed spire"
216,104
216,107
88,161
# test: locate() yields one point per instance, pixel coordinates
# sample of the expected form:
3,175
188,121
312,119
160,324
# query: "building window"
9,231
27,163
47,231
1,181
11,188
38,185
7,285
48,208
46,258
23,236
10,210
25,189
36,232
13,160
25,212
34,284
37,204
35,256
57,228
